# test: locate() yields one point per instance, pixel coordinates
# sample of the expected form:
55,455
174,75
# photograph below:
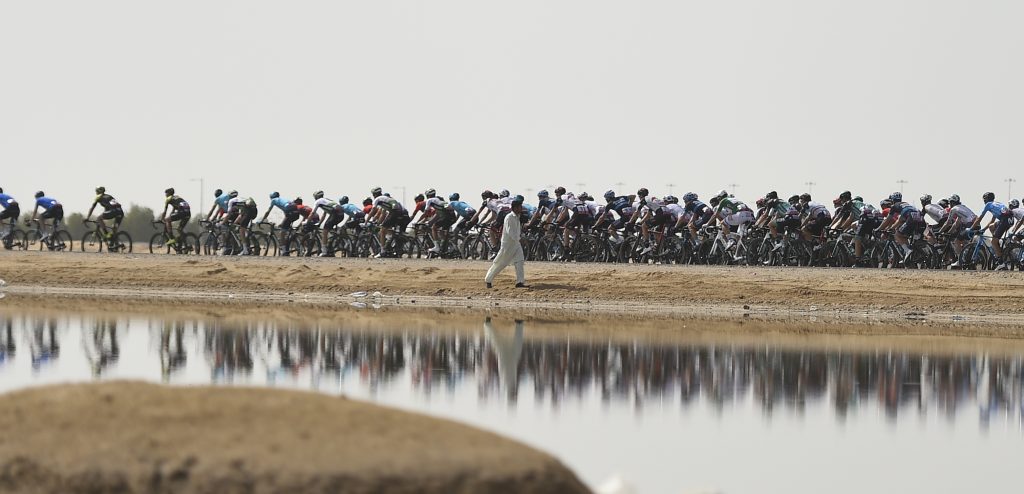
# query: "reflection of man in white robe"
508,349
511,251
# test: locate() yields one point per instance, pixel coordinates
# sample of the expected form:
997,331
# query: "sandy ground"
632,288
134,437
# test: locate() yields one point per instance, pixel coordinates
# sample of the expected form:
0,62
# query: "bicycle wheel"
62,241
188,244
32,240
975,258
91,242
268,244
208,243
921,256
17,240
121,243
158,244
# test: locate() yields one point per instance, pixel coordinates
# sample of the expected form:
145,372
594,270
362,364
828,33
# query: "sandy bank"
134,437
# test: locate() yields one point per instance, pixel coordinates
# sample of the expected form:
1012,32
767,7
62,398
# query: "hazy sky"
463,95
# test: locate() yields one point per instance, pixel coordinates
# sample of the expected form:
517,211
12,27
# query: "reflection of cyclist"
104,349
44,346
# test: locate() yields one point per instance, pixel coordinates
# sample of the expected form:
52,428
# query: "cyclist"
245,211
220,205
816,218
556,209
700,214
389,214
11,211
492,213
578,215
52,210
960,220
290,215
623,208
544,205
354,215
733,213
420,208
1015,209
935,212
462,208
781,215
870,219
439,216
653,215
333,214
848,211
905,220
180,212
111,211
1001,221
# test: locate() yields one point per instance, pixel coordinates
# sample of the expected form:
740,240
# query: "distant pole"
734,188
403,192
202,192
810,186
670,188
1009,188
902,183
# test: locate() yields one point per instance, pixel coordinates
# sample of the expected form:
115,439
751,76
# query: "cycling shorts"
182,215
911,228
55,213
12,211
740,218
113,213
818,224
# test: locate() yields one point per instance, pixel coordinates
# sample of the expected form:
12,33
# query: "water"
736,415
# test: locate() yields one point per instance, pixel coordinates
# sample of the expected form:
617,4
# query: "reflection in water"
502,358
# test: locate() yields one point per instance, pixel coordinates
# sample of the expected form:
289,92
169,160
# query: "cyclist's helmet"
858,199
643,192
926,199
669,199
387,194
486,194
169,191
609,195
218,193
944,203
896,197
759,203
845,196
318,194
298,200
715,200
954,199
722,194
454,196
771,196
1014,204
430,193
418,198
794,200
543,194
39,194
837,202
689,197
343,200
585,197
101,189
1,190
375,191
367,201
988,197
233,194
559,190
886,203
504,193
805,197
273,195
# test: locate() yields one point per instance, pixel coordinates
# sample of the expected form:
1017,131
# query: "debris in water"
357,294
378,294
3,283
358,305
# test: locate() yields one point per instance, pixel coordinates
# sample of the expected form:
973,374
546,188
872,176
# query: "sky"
463,95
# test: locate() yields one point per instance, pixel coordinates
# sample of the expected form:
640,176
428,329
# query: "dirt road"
630,288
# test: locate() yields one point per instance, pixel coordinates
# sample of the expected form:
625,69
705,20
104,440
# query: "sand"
134,437
623,288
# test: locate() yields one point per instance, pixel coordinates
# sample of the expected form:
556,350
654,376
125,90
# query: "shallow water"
665,416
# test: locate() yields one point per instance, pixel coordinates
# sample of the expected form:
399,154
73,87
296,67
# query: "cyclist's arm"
35,211
209,216
89,215
265,215
164,214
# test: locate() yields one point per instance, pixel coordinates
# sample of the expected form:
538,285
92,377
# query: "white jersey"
1018,214
498,205
963,214
935,212
654,204
676,211
596,210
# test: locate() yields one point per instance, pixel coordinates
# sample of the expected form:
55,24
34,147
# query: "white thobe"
511,251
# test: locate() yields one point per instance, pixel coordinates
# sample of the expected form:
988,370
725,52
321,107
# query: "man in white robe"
511,251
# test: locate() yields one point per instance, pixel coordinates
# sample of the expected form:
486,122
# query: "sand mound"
135,437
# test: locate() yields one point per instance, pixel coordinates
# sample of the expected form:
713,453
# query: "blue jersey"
46,202
463,208
996,208
529,209
622,206
696,208
6,200
222,202
279,202
546,204
906,211
351,210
